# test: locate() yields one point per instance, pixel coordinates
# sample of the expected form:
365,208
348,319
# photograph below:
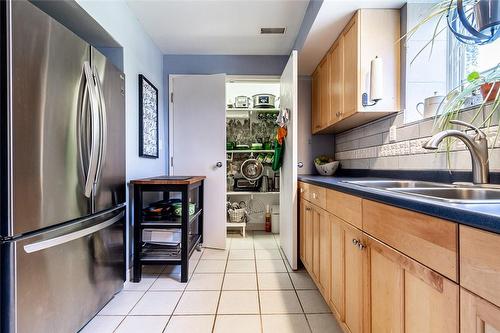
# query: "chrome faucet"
477,145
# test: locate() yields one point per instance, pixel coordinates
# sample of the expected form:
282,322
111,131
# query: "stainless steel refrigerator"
62,184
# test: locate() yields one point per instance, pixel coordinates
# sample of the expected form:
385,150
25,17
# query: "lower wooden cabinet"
376,287
315,244
336,300
478,315
355,288
406,296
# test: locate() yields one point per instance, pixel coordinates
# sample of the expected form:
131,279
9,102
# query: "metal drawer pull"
45,244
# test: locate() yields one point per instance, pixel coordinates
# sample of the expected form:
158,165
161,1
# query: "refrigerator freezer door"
110,185
47,85
63,277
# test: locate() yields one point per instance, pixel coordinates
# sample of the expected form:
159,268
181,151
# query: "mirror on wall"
431,69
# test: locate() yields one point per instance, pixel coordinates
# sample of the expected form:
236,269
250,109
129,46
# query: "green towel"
279,150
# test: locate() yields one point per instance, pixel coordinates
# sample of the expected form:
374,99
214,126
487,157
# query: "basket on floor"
237,215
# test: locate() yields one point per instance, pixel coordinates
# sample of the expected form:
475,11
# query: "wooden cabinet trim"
427,275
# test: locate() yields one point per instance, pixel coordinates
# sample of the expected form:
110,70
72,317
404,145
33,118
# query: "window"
446,67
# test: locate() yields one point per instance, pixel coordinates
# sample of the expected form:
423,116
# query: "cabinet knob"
361,246
218,164
314,195
300,164
355,242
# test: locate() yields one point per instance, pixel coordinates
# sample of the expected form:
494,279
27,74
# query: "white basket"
237,215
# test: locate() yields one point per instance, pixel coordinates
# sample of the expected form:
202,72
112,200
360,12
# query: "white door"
288,177
198,144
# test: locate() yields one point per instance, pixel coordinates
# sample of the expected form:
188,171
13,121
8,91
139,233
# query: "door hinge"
171,97
171,161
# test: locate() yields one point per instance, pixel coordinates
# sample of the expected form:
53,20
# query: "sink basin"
463,195
397,183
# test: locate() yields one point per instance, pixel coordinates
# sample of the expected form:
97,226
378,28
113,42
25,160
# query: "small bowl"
327,169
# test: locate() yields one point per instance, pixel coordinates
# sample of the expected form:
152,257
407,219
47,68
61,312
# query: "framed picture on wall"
148,119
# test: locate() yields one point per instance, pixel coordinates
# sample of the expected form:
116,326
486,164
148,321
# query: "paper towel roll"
376,79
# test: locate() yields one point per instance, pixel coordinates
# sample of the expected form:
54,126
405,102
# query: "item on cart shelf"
162,237
268,146
268,219
277,182
261,158
252,169
177,209
242,184
242,102
264,101
264,184
229,104
160,209
230,145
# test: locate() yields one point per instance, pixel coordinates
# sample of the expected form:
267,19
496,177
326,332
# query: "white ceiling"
331,19
220,26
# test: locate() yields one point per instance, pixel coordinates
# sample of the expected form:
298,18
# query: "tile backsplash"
368,146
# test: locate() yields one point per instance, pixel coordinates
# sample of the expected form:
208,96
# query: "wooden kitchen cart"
190,189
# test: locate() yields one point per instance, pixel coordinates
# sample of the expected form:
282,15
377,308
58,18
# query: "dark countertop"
483,216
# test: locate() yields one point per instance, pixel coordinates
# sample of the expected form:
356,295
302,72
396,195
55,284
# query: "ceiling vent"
272,31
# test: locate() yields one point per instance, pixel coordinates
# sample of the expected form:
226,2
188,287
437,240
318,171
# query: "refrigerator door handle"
103,130
94,129
48,243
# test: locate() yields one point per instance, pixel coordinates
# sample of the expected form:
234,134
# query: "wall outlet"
392,134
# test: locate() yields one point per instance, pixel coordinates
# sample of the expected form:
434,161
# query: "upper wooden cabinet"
343,75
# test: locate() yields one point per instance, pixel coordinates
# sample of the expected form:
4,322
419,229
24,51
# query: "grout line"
183,291
220,291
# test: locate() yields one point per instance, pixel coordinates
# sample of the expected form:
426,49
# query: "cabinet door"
350,38
406,296
316,218
315,103
387,290
337,81
478,315
302,231
308,238
324,70
337,266
354,288
324,253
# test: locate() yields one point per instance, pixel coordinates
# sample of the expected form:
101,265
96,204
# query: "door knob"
218,164
300,164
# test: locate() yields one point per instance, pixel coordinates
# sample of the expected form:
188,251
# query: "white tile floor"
248,288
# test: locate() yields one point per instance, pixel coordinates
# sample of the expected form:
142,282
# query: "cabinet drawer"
303,190
480,263
317,195
345,206
429,240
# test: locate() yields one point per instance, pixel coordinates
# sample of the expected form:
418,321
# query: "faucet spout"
476,144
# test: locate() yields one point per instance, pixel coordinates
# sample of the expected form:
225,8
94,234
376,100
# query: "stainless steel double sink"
451,193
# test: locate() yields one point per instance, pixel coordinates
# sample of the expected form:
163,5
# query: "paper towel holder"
364,100
364,96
